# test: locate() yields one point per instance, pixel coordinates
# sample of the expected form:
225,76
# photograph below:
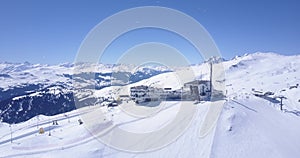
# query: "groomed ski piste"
248,125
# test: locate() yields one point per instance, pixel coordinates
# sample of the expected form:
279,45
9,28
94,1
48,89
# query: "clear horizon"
73,62
50,32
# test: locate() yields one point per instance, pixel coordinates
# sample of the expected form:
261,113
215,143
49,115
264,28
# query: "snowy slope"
27,90
68,138
18,74
249,126
254,128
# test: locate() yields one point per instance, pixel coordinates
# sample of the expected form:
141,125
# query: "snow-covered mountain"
27,90
251,123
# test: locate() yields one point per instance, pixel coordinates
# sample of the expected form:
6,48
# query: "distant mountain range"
27,90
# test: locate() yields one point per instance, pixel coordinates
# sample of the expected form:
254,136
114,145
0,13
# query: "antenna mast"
210,77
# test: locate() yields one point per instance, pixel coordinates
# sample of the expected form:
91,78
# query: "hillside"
250,123
28,90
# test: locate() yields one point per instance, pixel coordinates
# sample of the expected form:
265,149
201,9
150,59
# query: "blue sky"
50,32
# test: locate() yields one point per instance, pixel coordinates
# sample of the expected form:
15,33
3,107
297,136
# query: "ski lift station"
200,90
195,90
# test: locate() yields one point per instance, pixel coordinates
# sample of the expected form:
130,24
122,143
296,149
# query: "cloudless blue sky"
51,31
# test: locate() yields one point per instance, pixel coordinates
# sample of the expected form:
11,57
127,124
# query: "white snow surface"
248,126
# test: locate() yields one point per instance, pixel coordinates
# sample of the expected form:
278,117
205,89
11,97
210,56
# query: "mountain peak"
215,59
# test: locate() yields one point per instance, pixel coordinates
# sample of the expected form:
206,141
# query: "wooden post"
281,104
37,122
10,133
50,130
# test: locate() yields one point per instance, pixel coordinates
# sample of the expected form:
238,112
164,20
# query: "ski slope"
248,126
254,128
69,137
